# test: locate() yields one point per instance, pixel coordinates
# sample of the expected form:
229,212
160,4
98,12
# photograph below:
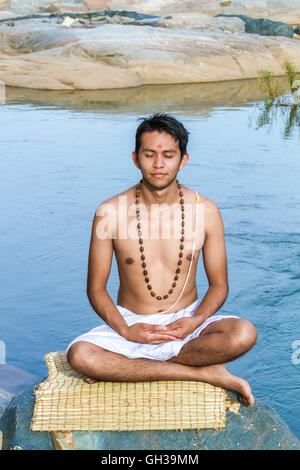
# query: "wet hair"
163,122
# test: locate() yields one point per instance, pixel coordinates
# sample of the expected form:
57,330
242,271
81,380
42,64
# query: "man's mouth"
158,175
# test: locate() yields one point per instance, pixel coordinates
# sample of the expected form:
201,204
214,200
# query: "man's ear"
184,161
135,160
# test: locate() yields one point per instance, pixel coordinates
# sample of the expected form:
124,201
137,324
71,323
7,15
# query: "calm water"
63,153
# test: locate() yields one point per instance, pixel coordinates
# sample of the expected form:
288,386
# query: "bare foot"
91,380
219,376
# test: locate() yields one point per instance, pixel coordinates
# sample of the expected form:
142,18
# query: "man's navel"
129,261
189,256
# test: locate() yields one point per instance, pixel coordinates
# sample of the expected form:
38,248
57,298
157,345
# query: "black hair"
163,122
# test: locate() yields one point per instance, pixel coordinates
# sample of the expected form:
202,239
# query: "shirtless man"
159,329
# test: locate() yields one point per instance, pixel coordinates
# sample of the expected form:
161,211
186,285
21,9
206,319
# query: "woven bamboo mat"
65,402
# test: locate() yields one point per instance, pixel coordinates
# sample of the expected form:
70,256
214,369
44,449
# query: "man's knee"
79,354
244,334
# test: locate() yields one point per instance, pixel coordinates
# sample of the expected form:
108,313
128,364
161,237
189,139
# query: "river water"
62,153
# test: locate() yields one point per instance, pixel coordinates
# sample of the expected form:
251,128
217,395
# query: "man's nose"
158,161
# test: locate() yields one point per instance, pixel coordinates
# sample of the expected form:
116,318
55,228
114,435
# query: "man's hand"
183,327
149,334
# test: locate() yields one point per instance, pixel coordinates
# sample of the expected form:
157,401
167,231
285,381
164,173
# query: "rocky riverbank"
165,43
287,11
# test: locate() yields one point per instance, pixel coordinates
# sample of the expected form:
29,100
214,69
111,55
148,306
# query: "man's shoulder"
113,202
210,206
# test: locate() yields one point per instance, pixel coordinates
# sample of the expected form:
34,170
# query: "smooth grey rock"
202,22
259,427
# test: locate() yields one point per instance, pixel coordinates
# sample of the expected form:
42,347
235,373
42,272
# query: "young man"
159,329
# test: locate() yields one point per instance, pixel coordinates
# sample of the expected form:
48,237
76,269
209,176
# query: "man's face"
159,159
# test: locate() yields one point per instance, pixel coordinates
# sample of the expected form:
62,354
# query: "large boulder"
51,56
259,427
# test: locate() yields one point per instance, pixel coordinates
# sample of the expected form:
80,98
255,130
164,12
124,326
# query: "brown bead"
141,241
182,231
182,224
141,248
153,294
177,270
181,201
137,201
174,284
138,226
171,291
179,262
143,257
182,215
180,255
176,278
137,210
149,287
182,239
179,186
147,279
137,195
144,265
159,297
138,186
181,247
182,208
145,272
180,193
166,296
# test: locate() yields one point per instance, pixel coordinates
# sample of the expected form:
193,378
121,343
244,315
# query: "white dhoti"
107,338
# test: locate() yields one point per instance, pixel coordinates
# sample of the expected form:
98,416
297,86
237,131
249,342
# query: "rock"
5,398
15,422
202,22
50,56
263,26
287,11
259,427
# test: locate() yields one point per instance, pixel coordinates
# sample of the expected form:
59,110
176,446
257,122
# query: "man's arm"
215,264
99,267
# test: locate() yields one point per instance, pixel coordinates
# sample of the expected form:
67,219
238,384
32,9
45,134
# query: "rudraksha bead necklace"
143,258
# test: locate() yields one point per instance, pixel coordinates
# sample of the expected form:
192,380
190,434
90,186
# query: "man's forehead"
158,140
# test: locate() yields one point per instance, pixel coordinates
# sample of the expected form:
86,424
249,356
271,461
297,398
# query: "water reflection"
285,108
197,98
289,115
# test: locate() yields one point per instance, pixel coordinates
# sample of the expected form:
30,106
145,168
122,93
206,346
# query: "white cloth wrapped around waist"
105,337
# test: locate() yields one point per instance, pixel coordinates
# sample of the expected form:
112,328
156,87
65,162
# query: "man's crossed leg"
201,359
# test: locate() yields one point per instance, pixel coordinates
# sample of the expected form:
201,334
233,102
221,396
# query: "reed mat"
66,402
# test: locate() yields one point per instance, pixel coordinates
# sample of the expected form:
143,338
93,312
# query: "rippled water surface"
63,153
